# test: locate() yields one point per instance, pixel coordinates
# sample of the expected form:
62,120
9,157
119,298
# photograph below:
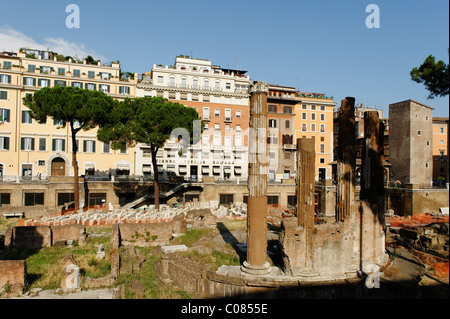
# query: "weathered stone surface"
13,274
173,249
70,280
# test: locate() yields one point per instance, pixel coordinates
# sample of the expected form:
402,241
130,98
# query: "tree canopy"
151,121
81,109
434,75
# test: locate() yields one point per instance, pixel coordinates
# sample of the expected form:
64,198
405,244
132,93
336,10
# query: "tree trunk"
156,176
76,191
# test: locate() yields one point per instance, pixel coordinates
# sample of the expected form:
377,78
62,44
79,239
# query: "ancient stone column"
371,207
256,262
306,158
372,177
346,164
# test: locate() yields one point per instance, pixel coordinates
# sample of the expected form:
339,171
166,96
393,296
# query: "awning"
89,166
205,169
123,166
147,169
182,169
227,170
216,170
238,170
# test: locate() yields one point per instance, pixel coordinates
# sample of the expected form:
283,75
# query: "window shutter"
93,146
7,116
22,143
84,146
63,145
53,145
6,143
32,144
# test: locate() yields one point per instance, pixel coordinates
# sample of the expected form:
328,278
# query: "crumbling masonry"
343,246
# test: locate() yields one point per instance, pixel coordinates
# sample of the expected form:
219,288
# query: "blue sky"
318,46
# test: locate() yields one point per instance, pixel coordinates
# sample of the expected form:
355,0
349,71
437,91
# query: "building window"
237,140
238,114
89,146
304,107
42,144
61,71
272,139
195,84
77,85
313,116
313,107
104,88
228,86
303,116
31,68
322,148
217,86
206,85
4,115
216,112
313,127
272,108
58,145
322,160
6,65
106,148
76,73
227,115
304,127
5,78
272,200
226,199
60,83
206,126
322,128
272,123
238,128
124,90
322,117
322,107
44,83
26,117
90,86
4,143
217,127
97,199
91,74
206,113
4,95
419,133
5,199
227,128
27,144
288,109
33,199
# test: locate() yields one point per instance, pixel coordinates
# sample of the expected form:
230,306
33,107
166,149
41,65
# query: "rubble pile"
146,214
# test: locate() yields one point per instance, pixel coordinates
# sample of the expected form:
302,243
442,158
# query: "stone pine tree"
434,75
151,121
79,108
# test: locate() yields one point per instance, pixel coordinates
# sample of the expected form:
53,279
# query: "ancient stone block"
70,280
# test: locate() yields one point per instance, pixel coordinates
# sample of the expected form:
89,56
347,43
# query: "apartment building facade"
314,118
281,102
30,151
220,97
440,147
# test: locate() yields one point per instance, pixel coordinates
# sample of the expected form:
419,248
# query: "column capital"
258,87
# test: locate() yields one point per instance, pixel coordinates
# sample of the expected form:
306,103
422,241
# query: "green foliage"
435,76
70,105
191,236
148,120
